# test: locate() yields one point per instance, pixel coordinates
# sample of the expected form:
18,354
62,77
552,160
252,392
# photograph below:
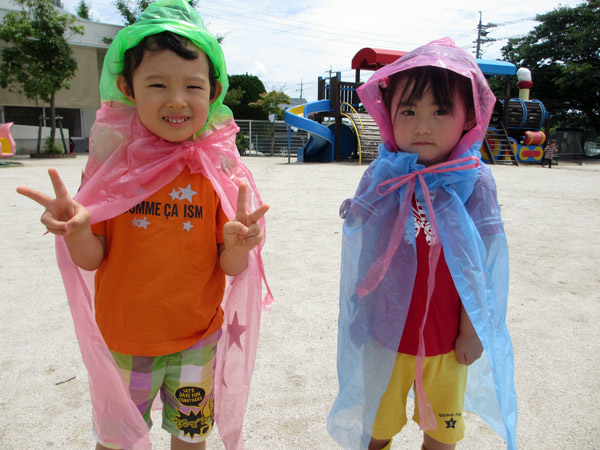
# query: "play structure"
6,140
320,146
339,130
519,126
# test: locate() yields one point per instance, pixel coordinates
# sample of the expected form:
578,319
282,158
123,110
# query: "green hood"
178,17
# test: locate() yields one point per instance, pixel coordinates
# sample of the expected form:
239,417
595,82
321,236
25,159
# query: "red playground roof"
375,58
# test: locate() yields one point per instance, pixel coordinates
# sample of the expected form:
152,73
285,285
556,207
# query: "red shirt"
443,320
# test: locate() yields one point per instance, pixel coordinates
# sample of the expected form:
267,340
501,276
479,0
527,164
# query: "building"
77,105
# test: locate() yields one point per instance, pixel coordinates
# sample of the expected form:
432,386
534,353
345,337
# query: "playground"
552,315
340,129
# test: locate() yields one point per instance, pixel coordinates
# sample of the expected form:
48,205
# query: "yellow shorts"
444,381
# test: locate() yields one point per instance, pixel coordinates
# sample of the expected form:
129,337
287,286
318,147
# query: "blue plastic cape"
378,272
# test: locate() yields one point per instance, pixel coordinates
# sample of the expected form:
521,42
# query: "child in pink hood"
424,277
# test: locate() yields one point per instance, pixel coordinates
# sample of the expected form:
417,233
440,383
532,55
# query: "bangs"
443,84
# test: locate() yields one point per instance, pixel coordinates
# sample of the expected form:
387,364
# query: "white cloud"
291,44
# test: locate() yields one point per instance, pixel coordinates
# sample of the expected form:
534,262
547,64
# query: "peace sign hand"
243,234
63,215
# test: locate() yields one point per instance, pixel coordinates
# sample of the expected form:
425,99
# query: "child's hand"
468,348
63,215
243,234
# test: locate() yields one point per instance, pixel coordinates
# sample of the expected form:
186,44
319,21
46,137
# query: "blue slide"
322,140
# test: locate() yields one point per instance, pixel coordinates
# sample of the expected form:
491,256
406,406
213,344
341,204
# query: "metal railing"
258,134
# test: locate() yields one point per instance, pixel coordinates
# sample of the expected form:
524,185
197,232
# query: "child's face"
426,129
171,94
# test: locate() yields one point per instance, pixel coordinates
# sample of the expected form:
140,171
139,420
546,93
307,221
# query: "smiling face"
423,127
171,94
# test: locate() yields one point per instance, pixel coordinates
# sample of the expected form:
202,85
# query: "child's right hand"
63,215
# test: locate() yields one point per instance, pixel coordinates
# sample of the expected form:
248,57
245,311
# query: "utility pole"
481,35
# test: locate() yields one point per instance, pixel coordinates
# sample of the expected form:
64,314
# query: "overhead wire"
295,23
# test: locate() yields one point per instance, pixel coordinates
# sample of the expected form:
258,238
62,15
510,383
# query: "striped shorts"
185,382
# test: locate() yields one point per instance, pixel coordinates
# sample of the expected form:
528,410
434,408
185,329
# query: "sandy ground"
551,218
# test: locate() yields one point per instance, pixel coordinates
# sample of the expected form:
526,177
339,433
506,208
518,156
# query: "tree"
251,88
563,54
38,60
269,103
131,9
234,97
83,10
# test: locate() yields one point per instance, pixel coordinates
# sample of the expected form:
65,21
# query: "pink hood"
441,53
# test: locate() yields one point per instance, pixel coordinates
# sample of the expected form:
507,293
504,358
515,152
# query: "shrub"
53,147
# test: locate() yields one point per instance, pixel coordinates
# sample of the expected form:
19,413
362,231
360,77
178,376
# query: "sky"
289,44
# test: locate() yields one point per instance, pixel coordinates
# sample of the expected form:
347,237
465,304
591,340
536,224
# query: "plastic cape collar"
115,181
463,203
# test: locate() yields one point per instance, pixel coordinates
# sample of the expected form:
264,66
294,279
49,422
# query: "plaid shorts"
185,382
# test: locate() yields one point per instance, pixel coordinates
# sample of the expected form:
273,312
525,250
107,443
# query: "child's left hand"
243,233
467,348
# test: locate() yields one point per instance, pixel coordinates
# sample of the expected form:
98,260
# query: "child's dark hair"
444,84
164,41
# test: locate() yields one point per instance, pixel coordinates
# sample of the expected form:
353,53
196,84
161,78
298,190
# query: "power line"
352,33
482,32
481,35
289,46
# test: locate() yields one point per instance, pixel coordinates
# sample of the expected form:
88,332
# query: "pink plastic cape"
379,263
127,163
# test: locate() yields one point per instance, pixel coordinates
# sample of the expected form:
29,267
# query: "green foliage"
563,54
38,60
131,9
498,85
234,97
269,103
250,88
51,146
242,143
83,10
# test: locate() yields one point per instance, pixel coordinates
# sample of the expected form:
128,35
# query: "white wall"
26,137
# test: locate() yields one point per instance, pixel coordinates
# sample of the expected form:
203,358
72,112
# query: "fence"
569,142
258,133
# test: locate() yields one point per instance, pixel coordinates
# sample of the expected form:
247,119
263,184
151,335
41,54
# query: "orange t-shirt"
160,286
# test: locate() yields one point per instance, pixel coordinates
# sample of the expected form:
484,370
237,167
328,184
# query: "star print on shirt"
140,223
175,195
187,193
450,423
187,226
